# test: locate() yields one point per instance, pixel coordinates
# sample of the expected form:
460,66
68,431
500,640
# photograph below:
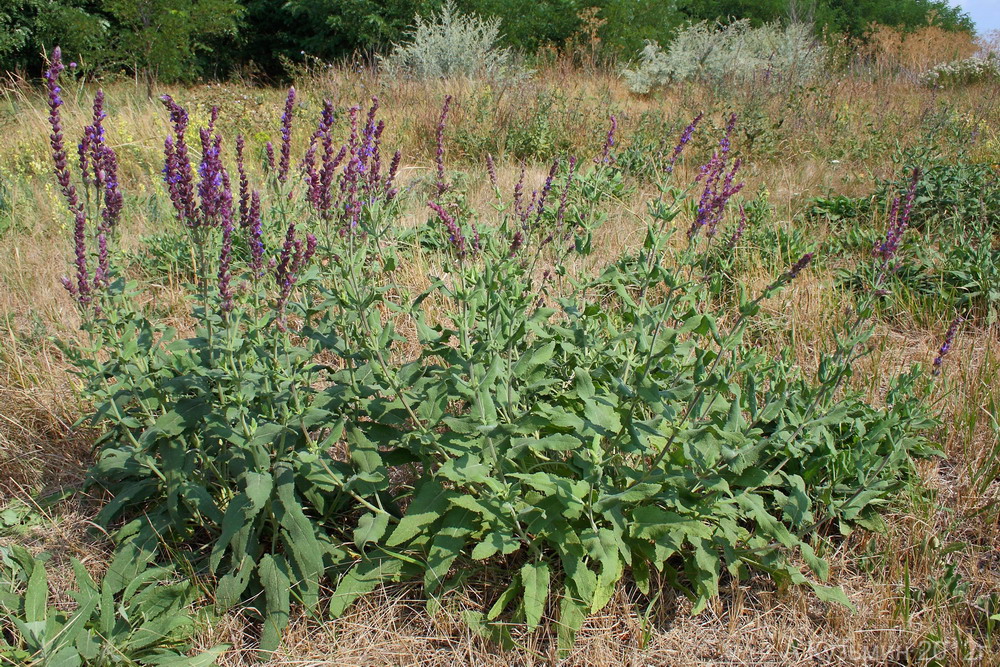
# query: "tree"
29,28
163,37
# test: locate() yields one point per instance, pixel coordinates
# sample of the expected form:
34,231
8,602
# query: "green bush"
564,430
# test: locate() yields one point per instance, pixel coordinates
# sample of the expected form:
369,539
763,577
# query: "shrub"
451,44
562,429
737,51
963,72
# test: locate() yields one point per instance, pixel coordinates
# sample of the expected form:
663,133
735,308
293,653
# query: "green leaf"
558,442
535,577
832,594
371,528
502,541
187,414
819,566
275,580
532,359
428,504
306,554
505,598
241,512
584,383
36,595
635,494
451,538
652,523
704,570
203,659
361,579
754,505
572,614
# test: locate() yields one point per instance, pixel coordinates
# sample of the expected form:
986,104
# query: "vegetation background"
823,158
188,40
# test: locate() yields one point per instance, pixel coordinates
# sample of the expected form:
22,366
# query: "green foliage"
29,27
138,614
564,430
188,39
163,37
336,28
952,264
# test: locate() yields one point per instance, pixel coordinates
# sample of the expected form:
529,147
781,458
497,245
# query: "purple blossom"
609,142
519,192
177,171
113,199
244,182
225,260
491,169
724,143
546,188
515,243
82,288
718,187
899,220
212,186
269,152
683,141
564,198
803,262
740,228
291,262
390,177
256,235
455,235
56,137
949,340
286,136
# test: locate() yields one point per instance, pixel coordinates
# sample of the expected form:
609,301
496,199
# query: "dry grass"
952,520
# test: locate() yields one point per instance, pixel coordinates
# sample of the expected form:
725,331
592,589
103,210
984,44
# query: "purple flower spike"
56,137
491,169
225,259
244,182
899,220
609,142
82,292
113,200
177,171
546,188
291,262
256,236
269,152
683,141
286,136
515,243
390,191
740,228
803,262
949,340
455,235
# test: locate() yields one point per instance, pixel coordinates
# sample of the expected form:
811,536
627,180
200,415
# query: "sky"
986,13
